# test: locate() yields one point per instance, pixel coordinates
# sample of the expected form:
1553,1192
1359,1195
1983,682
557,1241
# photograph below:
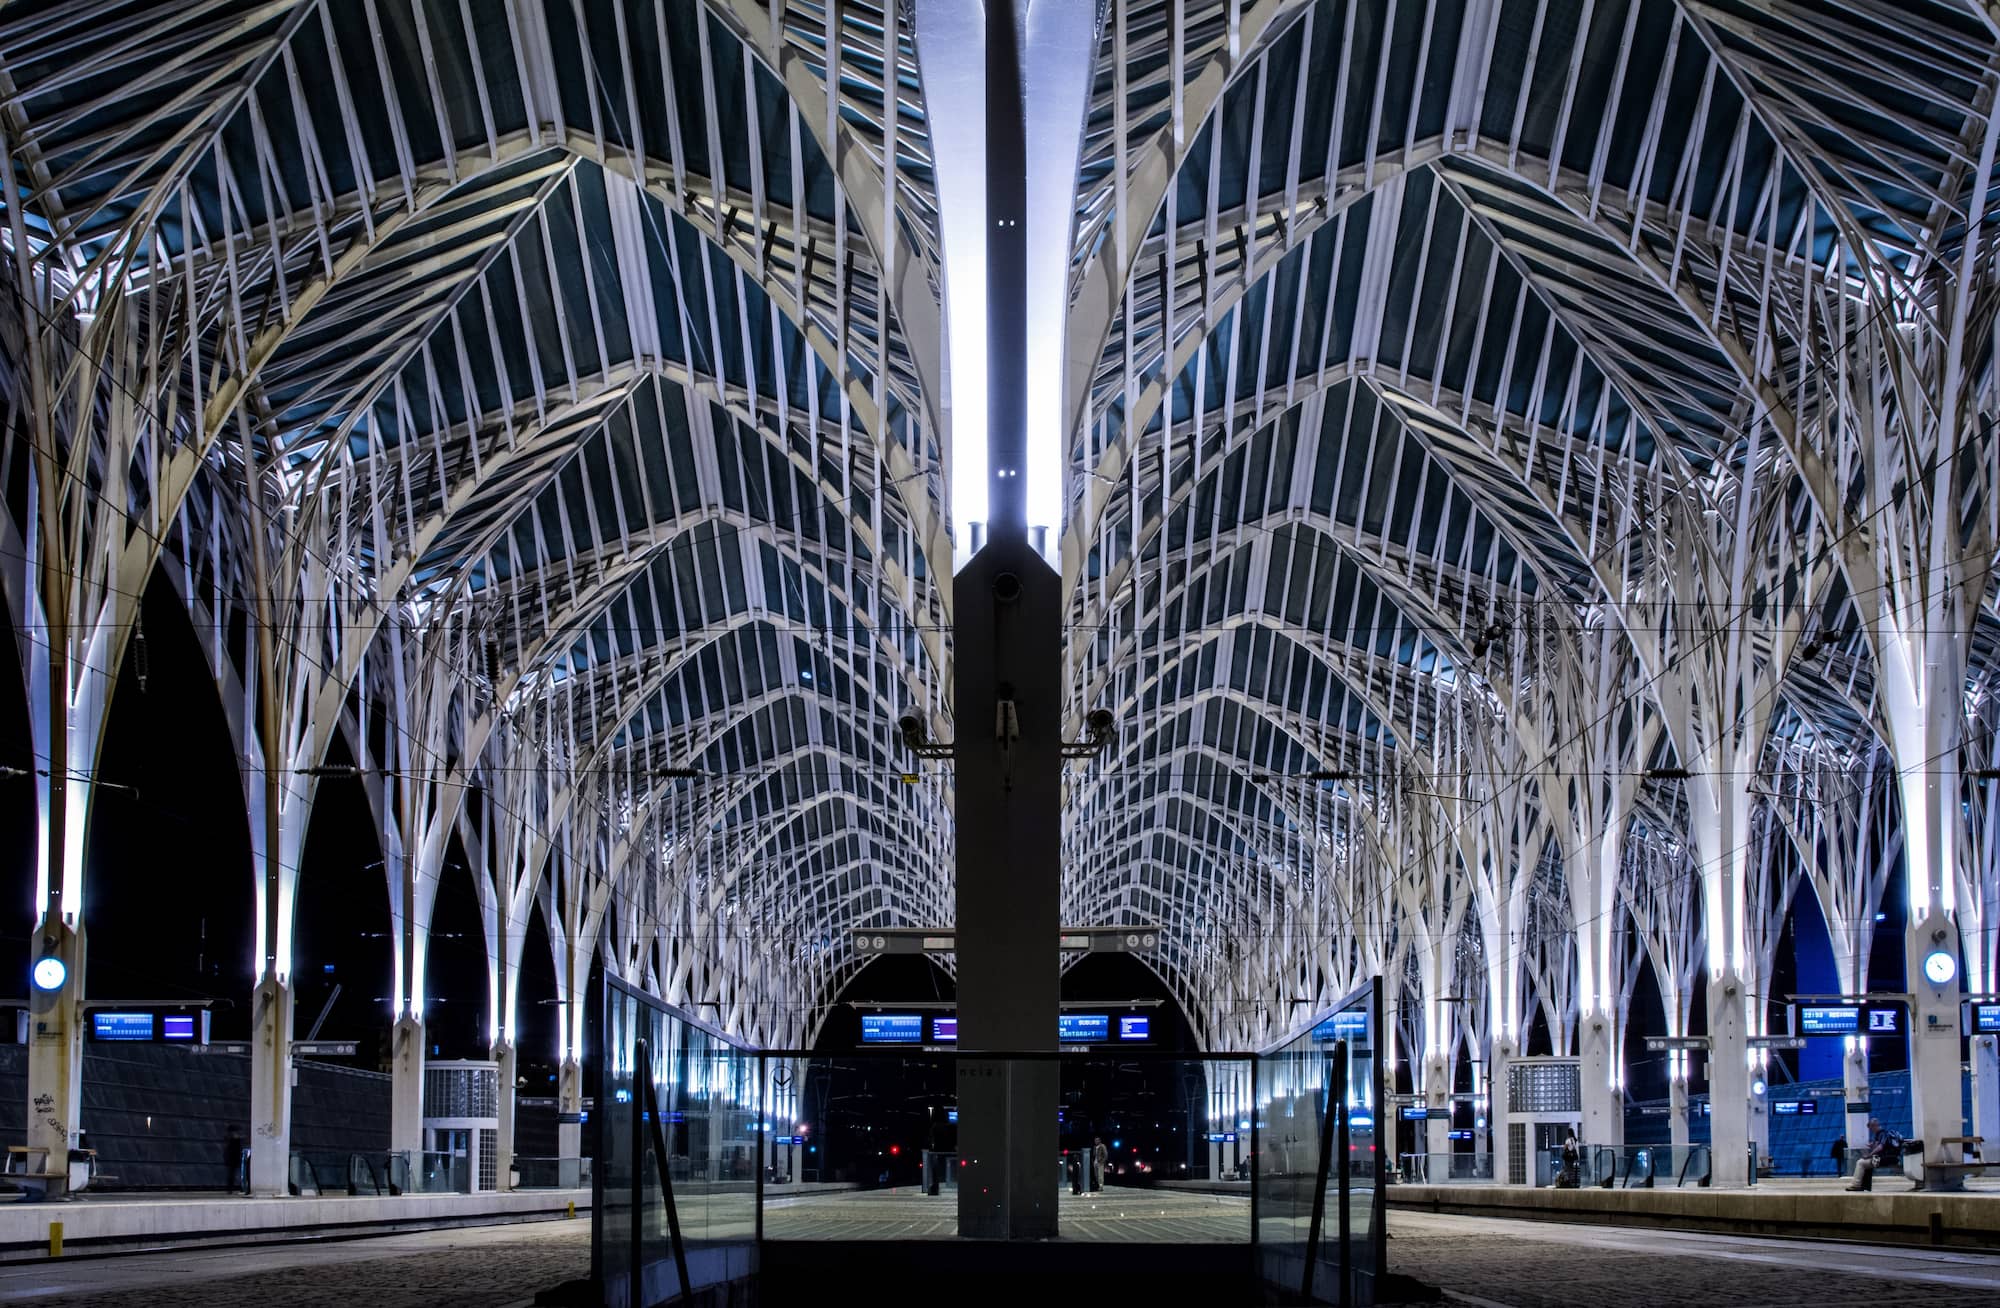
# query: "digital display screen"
1414,1113
892,1028
1829,1019
1351,1025
944,1029
174,1027
1135,1028
1807,1106
1885,1021
1986,1019
122,1026
1082,1027
1785,1107
1458,1135
951,1114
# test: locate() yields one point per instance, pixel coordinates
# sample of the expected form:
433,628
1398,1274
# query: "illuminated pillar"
503,1169
55,1045
271,1088
406,1090
569,1123
1603,1106
1437,1120
1728,1082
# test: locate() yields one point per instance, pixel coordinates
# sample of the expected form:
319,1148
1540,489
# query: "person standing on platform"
1099,1156
1075,1164
232,1160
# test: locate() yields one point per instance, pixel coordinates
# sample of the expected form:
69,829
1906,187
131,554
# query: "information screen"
1414,1113
944,1030
1135,1028
1884,1021
1350,1025
174,1027
1986,1019
892,1028
1785,1107
1083,1027
1829,1019
121,1026
1808,1106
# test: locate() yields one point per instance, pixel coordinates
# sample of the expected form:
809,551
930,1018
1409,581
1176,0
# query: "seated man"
1884,1149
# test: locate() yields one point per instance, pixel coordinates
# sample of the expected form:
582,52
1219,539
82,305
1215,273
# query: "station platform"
1892,1213
123,1223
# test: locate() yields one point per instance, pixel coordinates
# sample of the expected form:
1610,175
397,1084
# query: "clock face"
1940,967
49,973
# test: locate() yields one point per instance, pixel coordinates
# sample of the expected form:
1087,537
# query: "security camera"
1006,587
911,728
1101,723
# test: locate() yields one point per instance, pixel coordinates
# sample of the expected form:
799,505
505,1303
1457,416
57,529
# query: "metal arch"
1101,267
1399,568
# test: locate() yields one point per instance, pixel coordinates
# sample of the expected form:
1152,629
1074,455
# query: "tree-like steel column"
1008,753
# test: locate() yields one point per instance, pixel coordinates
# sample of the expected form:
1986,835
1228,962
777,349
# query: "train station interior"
742,652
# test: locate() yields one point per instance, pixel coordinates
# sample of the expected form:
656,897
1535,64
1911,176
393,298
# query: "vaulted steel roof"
583,362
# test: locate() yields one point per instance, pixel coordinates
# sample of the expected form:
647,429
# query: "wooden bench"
1949,1177
1968,1146
28,1166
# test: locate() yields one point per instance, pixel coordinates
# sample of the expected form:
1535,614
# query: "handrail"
647,1105
1336,1112
1694,1151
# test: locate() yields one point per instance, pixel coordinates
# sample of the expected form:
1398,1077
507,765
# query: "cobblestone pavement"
1526,1264
483,1267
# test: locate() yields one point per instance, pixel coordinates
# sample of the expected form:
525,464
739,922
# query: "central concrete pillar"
1007,755
1009,775
55,1048
406,1089
271,1088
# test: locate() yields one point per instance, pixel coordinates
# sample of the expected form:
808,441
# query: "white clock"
1940,966
49,973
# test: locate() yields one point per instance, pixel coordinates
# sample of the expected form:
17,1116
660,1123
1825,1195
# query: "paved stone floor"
1475,1260
1530,1264
479,1267
1116,1215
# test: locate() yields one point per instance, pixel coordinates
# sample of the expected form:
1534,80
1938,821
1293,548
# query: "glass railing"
1320,1170
441,1173
871,1148
704,1149
678,1142
331,1172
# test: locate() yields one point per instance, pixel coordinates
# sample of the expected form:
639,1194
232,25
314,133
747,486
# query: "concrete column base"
271,1088
55,1052
406,1092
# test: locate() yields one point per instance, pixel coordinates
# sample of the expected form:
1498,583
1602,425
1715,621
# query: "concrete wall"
159,1115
